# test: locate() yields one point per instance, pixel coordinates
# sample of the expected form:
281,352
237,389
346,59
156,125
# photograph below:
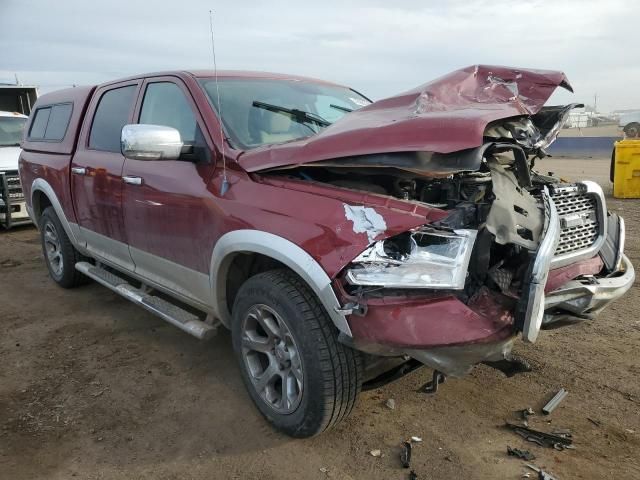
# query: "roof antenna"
225,183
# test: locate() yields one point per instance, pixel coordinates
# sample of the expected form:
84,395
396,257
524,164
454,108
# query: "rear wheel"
297,373
59,253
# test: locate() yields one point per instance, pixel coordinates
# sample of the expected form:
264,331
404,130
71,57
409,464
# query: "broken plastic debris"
391,403
542,475
405,454
375,453
523,454
559,442
324,469
416,439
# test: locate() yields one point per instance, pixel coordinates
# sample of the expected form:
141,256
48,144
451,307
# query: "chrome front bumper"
586,297
577,299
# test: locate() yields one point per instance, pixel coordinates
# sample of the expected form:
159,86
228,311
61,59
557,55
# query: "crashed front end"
518,252
513,250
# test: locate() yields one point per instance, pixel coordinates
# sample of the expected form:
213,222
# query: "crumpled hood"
9,158
446,115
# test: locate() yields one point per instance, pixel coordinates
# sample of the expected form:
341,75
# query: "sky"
377,47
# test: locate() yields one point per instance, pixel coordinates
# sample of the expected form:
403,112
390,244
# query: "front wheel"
297,373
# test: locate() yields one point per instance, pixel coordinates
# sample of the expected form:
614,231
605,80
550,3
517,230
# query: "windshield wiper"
338,107
17,144
299,116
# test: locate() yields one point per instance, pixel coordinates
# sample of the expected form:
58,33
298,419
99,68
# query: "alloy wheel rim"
53,249
272,359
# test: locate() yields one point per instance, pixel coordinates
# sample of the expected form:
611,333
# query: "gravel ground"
93,387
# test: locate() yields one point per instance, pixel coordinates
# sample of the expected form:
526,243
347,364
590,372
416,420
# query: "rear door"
96,173
168,214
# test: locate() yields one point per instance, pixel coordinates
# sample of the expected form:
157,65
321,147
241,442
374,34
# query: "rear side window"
50,123
39,125
111,115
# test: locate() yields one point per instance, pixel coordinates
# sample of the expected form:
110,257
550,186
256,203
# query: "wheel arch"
277,249
42,196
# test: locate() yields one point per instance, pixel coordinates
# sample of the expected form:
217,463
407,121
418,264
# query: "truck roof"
222,74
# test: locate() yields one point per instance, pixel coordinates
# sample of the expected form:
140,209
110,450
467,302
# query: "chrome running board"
168,311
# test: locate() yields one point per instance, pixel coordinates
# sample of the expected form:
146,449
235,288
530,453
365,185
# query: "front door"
167,217
96,174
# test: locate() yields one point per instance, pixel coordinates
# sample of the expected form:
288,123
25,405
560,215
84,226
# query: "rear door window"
51,122
111,115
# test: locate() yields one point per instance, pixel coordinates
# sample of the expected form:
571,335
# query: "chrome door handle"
79,170
131,180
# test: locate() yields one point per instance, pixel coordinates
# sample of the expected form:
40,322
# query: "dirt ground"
93,387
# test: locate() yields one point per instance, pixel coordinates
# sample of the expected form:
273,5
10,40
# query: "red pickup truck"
343,242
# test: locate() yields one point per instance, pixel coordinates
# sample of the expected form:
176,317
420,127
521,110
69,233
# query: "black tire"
332,372
631,130
62,270
612,166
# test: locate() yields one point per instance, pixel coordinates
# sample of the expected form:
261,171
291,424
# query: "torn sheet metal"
515,216
446,115
365,220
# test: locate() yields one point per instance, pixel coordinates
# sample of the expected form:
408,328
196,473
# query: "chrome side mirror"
150,142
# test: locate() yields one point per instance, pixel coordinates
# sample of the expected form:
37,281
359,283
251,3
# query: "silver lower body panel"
584,298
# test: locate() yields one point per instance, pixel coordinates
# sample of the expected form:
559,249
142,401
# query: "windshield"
11,131
260,112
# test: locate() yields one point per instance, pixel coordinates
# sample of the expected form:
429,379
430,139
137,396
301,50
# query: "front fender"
280,249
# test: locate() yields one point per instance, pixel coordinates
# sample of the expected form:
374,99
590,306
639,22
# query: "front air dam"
438,330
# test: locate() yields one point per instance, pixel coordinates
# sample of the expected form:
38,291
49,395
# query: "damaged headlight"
427,258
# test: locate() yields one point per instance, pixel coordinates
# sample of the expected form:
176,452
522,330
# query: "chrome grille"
11,182
579,222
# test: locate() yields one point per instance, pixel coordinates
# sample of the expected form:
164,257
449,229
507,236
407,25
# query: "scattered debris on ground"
554,402
595,422
526,413
542,475
391,403
405,454
376,453
523,454
544,439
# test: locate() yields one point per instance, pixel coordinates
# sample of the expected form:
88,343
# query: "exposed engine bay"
491,193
